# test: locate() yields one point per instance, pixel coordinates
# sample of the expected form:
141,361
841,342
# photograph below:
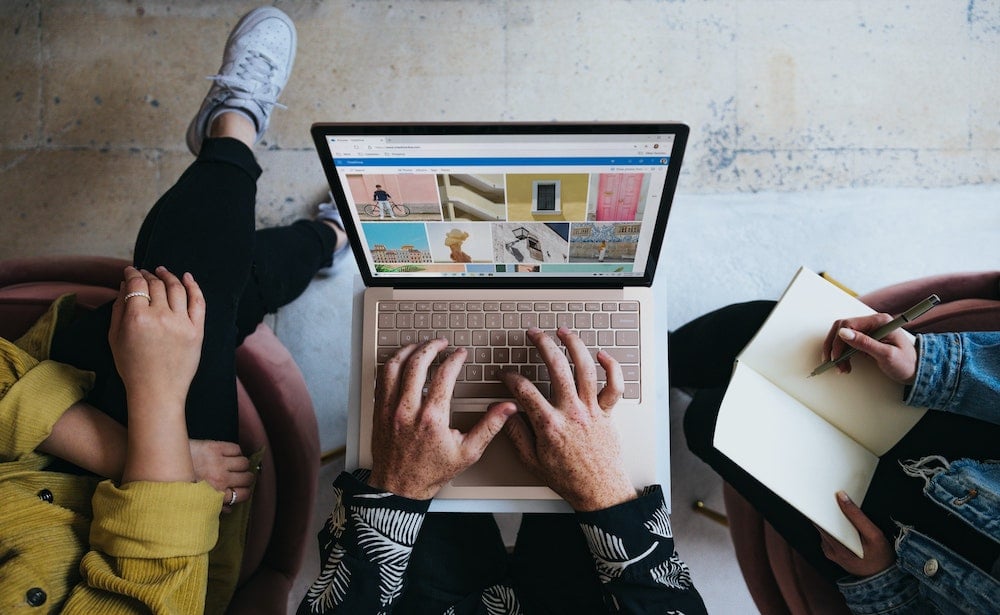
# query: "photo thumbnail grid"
500,223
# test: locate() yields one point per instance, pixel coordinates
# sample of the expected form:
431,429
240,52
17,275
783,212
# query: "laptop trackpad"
499,466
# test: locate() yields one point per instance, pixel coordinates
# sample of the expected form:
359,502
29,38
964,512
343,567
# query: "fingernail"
510,410
534,331
845,333
843,497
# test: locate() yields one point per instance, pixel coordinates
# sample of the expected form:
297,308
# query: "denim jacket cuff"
939,361
880,592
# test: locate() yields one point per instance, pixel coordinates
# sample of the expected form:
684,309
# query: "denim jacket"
960,373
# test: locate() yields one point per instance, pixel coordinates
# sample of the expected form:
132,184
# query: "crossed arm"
133,536
92,440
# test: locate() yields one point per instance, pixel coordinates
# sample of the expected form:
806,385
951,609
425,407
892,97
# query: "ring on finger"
232,497
137,293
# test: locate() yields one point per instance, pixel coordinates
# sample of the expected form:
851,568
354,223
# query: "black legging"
701,356
205,225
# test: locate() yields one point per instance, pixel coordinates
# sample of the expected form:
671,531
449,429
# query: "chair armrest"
80,269
278,391
969,301
950,287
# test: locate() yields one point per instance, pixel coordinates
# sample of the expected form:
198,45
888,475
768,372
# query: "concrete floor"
810,144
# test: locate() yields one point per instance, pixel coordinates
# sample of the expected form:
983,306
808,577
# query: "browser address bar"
494,148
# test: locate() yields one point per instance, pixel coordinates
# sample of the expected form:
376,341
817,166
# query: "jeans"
204,224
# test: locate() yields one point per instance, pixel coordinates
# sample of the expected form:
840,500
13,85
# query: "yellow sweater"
73,544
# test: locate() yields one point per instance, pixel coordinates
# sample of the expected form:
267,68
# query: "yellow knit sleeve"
149,549
37,341
33,395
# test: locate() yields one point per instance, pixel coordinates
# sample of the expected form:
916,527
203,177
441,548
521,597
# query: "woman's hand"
879,554
894,354
222,465
156,332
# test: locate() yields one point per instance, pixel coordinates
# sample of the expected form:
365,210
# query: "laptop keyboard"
494,334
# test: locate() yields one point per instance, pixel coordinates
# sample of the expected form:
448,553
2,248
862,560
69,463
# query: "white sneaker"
258,59
328,211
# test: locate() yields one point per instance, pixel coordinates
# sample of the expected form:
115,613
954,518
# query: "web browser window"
504,205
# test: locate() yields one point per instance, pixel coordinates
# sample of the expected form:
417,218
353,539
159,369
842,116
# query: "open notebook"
807,438
477,232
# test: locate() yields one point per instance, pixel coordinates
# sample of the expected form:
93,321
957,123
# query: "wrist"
604,498
386,481
150,402
158,450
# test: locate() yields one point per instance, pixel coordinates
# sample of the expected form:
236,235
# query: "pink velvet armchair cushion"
969,301
779,580
285,494
275,411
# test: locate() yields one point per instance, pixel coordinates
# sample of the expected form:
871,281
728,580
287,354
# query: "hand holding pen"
879,337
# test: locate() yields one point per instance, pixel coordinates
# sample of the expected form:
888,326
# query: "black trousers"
204,224
457,555
701,356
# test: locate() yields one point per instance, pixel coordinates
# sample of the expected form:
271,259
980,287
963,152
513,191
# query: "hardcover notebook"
807,438
477,232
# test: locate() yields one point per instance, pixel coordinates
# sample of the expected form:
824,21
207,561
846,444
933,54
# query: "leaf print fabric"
367,543
633,550
500,600
659,524
369,535
609,552
387,537
672,573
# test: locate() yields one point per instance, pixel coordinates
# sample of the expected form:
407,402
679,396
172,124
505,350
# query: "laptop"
476,232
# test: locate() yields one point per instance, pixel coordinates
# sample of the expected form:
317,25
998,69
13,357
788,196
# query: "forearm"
633,549
365,549
890,587
960,373
149,545
158,448
88,438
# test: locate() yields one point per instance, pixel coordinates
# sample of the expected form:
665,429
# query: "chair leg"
702,509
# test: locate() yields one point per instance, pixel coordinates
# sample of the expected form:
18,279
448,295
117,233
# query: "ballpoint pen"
914,312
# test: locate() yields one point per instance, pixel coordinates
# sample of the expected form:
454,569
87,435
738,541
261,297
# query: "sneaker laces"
254,67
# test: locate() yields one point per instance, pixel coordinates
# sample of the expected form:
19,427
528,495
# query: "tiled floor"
96,97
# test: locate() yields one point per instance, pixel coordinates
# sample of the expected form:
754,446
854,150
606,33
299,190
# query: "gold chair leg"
700,508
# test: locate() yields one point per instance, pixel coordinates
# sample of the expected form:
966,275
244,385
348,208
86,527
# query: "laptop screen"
463,205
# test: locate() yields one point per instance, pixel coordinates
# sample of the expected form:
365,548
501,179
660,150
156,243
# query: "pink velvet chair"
275,412
779,580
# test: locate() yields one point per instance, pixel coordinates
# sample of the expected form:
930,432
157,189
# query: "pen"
914,312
